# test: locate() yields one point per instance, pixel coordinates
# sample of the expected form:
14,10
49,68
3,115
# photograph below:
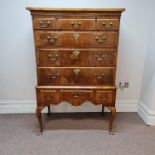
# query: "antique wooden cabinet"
76,56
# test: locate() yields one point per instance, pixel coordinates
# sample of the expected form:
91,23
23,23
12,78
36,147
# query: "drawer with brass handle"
48,57
46,97
106,97
105,57
45,23
76,93
78,76
76,39
106,39
107,24
76,97
76,24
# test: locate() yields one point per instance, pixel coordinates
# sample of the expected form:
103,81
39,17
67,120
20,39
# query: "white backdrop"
17,58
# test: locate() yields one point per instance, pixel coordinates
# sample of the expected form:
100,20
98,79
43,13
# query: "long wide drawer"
76,96
76,39
76,76
77,57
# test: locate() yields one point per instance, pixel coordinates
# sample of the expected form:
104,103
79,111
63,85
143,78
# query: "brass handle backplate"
48,98
53,76
45,24
107,25
51,39
103,97
101,39
76,94
99,76
76,25
52,58
100,57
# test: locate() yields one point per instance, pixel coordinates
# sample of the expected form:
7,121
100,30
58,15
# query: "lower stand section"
112,110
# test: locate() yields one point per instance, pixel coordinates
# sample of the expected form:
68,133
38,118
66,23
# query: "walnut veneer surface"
76,56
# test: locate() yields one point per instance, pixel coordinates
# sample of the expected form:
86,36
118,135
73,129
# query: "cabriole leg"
38,113
113,114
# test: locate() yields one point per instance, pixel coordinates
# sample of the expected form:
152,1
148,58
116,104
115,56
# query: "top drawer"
76,24
45,23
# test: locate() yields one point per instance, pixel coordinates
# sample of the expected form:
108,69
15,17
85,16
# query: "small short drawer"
76,24
76,94
46,97
106,97
107,24
45,23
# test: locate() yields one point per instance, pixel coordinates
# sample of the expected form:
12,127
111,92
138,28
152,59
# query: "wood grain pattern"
76,39
76,76
105,57
76,56
76,9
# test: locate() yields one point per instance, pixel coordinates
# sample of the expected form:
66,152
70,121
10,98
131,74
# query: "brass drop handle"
76,24
48,98
45,24
99,76
100,40
107,25
76,94
100,57
51,39
103,97
52,58
53,76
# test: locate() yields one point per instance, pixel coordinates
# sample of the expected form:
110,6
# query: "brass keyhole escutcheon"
76,53
76,36
76,71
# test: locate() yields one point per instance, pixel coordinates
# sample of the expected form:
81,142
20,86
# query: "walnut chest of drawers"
76,57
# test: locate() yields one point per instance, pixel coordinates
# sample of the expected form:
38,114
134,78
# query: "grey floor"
75,134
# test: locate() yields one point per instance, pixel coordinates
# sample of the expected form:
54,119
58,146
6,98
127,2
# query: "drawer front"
45,23
106,97
107,24
76,39
49,57
76,76
76,24
46,97
76,94
76,57
76,97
